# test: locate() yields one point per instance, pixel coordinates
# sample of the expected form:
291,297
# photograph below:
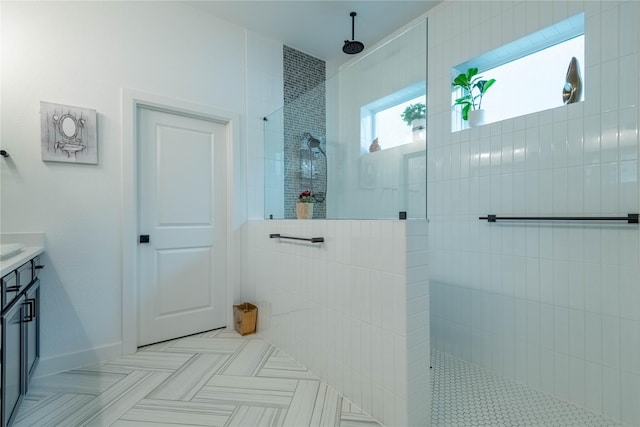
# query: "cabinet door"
10,288
12,354
32,328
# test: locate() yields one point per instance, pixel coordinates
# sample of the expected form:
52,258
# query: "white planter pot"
304,210
476,118
419,127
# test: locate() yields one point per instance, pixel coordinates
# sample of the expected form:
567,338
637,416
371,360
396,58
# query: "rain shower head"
352,46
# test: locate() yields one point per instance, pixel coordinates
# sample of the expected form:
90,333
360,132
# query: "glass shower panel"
322,141
274,165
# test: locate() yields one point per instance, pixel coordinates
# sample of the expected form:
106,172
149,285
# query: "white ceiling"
319,28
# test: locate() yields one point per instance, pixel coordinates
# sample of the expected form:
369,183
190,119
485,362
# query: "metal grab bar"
310,239
631,218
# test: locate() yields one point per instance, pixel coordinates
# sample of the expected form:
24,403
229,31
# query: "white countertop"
15,261
33,244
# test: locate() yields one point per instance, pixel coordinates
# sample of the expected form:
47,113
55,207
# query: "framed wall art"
68,134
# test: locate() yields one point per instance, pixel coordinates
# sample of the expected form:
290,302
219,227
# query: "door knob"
144,238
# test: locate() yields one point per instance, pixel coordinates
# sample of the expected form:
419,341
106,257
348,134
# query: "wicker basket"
244,317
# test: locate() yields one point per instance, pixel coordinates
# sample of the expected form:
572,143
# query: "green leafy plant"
474,88
306,197
414,111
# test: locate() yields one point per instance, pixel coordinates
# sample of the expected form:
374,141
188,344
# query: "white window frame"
368,112
512,52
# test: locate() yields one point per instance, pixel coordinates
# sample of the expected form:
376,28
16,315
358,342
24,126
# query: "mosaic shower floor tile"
464,395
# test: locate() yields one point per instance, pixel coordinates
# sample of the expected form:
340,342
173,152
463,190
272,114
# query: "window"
538,83
382,119
530,73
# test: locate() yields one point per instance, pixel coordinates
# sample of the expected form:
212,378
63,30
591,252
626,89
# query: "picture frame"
68,134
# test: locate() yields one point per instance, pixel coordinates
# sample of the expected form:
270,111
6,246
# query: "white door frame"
131,100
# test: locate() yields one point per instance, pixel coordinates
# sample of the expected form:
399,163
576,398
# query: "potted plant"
473,88
415,115
414,112
304,207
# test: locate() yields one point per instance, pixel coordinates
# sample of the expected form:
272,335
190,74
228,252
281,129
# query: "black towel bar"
631,218
310,239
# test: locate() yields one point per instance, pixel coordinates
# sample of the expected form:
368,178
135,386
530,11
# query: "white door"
182,209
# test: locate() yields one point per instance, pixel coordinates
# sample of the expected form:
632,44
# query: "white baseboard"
64,362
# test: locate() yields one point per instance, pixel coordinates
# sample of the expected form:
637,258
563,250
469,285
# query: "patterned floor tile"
153,361
464,395
128,423
105,369
328,407
251,391
206,345
184,383
106,408
179,413
224,333
279,365
249,359
257,416
36,397
303,404
57,406
77,381
217,378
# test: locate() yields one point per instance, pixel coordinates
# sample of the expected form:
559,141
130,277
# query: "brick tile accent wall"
304,111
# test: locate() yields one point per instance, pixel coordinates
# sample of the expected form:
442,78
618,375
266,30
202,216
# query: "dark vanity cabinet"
20,322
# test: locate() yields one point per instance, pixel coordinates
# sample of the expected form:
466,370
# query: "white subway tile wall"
555,306
353,310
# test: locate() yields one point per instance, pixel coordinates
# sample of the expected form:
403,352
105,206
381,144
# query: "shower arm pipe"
353,25
631,218
306,239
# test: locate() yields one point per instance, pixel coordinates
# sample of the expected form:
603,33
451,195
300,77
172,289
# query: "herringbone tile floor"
217,378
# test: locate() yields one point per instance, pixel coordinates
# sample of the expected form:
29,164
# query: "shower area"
453,320
320,140
345,308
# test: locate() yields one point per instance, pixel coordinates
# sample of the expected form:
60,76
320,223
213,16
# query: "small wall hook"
3,153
